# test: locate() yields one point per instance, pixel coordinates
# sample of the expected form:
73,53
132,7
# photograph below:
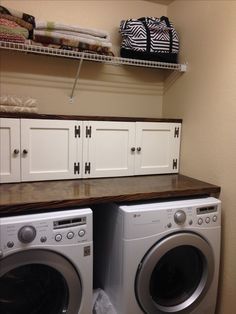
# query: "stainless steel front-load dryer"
162,257
46,263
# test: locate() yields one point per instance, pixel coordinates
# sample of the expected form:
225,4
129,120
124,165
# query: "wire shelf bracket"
76,79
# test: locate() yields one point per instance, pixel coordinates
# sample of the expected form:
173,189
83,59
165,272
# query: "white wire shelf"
91,57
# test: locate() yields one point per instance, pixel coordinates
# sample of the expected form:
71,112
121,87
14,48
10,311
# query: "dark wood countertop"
32,197
20,115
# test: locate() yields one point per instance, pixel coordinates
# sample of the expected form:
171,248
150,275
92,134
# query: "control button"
207,220
10,244
27,234
169,225
200,221
180,217
81,233
190,222
43,239
58,237
70,235
214,218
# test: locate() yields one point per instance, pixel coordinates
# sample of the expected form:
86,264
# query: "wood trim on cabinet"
85,118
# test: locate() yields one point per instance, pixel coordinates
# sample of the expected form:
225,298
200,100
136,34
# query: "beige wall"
101,90
205,97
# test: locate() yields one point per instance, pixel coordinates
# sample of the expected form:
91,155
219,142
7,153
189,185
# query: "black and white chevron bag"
149,38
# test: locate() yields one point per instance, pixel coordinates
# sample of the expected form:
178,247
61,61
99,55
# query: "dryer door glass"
175,274
39,282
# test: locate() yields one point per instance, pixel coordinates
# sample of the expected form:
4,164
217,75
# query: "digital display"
72,222
206,210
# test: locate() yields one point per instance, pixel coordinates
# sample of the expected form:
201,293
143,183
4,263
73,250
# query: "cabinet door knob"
132,149
16,151
25,151
139,149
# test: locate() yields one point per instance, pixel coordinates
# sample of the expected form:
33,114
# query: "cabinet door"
157,147
9,150
108,149
50,150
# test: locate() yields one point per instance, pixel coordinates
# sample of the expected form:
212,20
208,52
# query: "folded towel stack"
72,37
15,26
20,27
10,103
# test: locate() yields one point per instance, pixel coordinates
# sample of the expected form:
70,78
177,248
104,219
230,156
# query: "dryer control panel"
197,215
207,214
160,217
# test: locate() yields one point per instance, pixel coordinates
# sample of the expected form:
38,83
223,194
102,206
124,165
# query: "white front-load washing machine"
161,257
46,263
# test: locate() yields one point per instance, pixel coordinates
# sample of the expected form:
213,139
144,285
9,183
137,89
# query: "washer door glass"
33,289
175,274
39,282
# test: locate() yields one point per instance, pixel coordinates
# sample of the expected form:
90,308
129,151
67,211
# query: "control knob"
26,234
180,217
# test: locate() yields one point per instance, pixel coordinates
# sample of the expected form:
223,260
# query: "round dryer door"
175,274
39,282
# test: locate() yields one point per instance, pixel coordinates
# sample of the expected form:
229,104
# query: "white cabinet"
157,147
47,150
9,150
107,148
130,148
51,149
44,149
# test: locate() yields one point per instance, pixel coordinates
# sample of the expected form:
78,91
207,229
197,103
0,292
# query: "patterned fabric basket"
149,38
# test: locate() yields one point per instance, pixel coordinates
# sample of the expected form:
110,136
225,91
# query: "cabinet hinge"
76,168
176,133
77,131
88,131
87,168
175,163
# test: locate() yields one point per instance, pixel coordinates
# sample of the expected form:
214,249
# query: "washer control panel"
27,234
72,227
180,217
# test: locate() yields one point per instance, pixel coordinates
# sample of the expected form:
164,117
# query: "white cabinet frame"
107,150
114,149
40,149
157,147
50,150
9,150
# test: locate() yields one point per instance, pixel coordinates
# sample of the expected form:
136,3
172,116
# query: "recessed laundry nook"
117,157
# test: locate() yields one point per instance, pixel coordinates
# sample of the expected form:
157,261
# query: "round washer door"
39,282
175,274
